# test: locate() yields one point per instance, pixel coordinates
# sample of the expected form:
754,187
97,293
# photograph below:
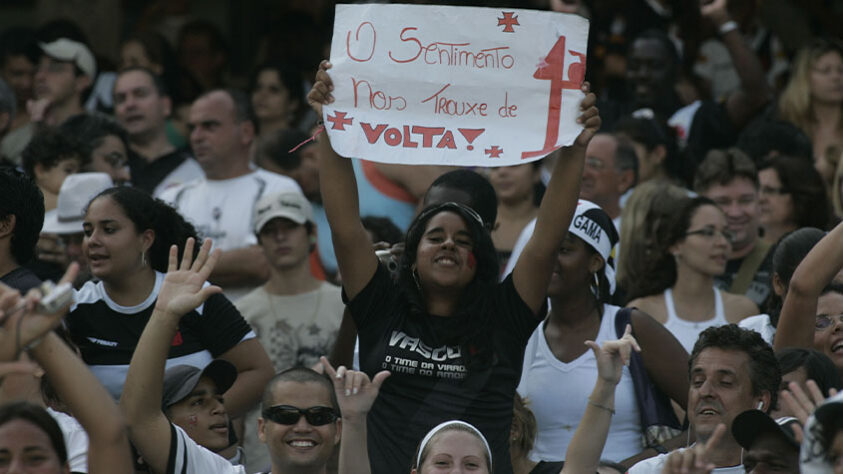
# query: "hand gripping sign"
454,85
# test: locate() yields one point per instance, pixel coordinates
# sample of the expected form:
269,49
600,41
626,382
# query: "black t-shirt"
107,334
548,467
430,383
21,279
147,175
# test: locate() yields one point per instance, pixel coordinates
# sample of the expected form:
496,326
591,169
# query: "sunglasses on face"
825,321
290,415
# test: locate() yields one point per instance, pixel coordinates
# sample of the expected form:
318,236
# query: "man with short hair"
295,316
728,177
219,205
142,107
300,415
66,70
731,370
611,169
299,421
21,218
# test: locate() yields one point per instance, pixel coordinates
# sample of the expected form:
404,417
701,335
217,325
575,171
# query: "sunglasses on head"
290,415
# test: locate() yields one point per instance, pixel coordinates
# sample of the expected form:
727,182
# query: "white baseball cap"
75,52
76,192
289,205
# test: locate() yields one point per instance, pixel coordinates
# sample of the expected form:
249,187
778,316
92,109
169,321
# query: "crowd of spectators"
664,295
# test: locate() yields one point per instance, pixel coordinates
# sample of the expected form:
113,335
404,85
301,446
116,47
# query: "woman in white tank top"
678,290
559,369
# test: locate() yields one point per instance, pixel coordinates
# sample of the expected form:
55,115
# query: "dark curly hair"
50,146
764,372
145,213
92,129
469,327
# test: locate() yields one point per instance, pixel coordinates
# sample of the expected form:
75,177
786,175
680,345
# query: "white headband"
593,234
430,434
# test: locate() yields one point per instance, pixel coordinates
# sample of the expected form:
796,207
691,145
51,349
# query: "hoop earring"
415,274
143,259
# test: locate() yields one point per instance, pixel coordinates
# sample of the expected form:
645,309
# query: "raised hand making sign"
454,85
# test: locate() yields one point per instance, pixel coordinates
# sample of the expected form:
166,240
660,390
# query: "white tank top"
686,331
558,394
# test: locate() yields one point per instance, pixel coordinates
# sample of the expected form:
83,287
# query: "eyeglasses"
710,232
771,191
290,415
825,321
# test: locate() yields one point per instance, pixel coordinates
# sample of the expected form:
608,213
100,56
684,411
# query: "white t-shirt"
187,457
655,465
222,209
75,439
188,171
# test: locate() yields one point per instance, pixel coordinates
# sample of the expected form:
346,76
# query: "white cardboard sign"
461,86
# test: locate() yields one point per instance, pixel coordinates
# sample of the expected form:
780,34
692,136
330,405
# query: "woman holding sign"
450,334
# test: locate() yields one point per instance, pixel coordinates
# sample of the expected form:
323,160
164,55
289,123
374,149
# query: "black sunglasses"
290,415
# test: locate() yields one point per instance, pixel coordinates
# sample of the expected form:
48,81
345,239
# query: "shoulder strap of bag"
748,268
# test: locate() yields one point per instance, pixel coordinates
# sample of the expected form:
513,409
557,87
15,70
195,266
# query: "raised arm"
532,272
355,257
90,403
799,311
742,104
355,395
584,450
181,292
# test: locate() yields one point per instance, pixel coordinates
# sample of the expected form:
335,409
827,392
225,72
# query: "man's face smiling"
301,445
720,390
202,416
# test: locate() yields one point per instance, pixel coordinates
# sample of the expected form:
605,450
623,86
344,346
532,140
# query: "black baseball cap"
749,425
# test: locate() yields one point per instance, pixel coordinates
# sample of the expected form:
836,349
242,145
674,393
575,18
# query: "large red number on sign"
553,70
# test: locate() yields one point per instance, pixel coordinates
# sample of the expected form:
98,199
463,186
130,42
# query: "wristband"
727,27
604,407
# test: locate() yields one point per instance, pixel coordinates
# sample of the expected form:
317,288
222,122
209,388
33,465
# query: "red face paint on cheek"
192,419
472,262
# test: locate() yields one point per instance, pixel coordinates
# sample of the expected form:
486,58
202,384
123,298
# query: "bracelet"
610,410
727,27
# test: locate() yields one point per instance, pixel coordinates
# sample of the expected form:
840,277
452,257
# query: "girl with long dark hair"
452,336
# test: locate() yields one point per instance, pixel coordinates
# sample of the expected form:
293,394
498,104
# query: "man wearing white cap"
65,71
61,236
295,315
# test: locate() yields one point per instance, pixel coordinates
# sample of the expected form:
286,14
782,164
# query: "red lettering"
372,134
418,43
553,70
408,143
377,99
357,38
427,134
392,137
447,141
